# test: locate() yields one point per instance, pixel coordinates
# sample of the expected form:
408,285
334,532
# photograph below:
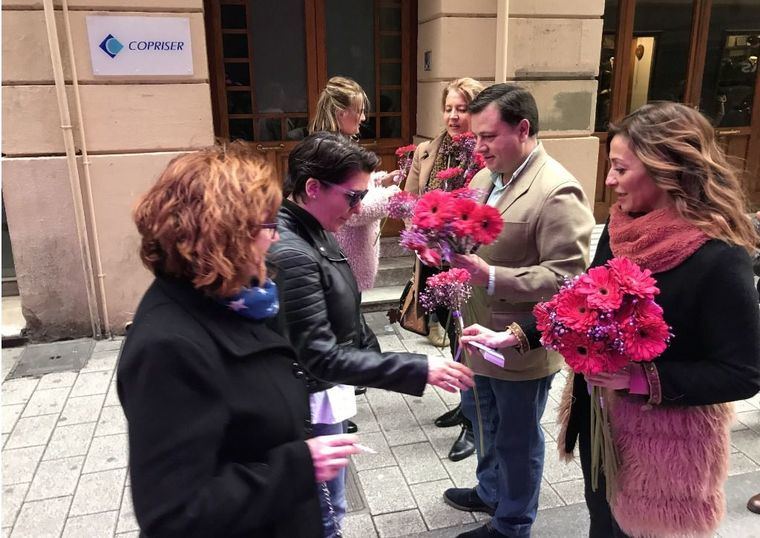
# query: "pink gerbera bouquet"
405,155
450,289
462,151
444,223
600,321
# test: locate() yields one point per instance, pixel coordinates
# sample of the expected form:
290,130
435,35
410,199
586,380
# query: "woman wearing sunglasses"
328,175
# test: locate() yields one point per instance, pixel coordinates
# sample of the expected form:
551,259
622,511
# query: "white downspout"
502,33
71,161
86,168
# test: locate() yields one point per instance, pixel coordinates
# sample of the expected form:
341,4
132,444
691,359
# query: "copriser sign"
140,46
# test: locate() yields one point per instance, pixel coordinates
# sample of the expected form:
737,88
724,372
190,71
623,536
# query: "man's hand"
475,265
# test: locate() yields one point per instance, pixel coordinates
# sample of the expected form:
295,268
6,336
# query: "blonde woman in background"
429,159
341,109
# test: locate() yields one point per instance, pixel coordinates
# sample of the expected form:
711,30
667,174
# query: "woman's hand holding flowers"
631,378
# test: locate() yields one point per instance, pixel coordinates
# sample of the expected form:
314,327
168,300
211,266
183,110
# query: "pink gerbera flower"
433,210
646,340
602,289
582,354
632,279
573,311
487,225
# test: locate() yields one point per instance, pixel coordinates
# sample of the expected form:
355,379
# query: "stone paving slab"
64,459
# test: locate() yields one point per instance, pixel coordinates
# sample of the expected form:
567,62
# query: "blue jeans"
511,454
336,486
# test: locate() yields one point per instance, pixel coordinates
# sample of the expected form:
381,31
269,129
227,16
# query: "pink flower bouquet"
599,322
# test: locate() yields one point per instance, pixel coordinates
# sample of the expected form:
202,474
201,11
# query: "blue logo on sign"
111,46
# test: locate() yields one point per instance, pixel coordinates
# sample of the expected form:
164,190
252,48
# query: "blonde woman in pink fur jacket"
681,213
341,108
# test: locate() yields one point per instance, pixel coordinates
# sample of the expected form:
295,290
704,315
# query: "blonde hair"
341,93
468,87
200,220
677,146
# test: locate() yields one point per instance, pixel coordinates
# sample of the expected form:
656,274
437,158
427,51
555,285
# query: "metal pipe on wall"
86,168
71,161
502,33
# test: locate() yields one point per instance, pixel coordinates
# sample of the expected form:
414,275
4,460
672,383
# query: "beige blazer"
422,164
547,227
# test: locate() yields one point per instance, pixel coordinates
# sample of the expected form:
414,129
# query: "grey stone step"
389,248
381,299
394,271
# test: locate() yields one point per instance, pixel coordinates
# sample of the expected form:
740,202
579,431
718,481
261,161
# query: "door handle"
262,147
727,132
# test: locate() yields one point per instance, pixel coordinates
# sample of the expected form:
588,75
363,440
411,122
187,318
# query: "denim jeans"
336,486
510,448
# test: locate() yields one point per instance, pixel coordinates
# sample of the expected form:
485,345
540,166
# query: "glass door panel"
363,41
661,33
733,47
606,65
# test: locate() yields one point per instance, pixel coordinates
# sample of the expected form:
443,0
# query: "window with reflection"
661,32
733,47
266,92
363,42
606,64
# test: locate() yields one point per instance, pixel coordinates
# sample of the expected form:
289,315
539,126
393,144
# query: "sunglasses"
353,197
271,226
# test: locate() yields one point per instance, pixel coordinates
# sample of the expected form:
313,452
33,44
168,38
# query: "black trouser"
603,525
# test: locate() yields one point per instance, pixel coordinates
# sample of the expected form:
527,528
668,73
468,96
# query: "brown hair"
199,221
677,146
341,93
468,87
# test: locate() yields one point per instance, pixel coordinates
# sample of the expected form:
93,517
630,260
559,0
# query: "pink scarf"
659,240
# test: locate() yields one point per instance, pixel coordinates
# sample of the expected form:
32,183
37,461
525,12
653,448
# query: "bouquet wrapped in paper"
600,321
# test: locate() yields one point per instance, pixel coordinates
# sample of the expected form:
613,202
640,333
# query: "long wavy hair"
677,146
200,220
341,93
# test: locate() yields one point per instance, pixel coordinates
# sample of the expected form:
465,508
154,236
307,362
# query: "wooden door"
269,61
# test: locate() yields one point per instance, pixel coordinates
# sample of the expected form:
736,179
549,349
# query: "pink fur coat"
673,463
357,236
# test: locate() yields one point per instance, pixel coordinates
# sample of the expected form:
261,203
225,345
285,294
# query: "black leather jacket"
321,301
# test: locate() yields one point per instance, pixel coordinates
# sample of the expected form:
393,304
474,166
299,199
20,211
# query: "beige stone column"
132,128
552,48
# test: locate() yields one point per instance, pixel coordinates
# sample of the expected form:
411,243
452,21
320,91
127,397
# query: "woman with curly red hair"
213,394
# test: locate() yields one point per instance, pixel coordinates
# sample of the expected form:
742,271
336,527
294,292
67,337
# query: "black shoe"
358,391
486,531
450,418
351,427
464,446
466,499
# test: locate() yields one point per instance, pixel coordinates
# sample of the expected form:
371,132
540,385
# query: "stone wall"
132,128
552,48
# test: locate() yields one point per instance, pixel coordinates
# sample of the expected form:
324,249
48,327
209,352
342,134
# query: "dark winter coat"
322,306
218,413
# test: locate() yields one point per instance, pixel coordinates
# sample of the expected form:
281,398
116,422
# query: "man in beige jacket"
547,226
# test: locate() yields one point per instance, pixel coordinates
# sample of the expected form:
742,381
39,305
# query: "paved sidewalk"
64,458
